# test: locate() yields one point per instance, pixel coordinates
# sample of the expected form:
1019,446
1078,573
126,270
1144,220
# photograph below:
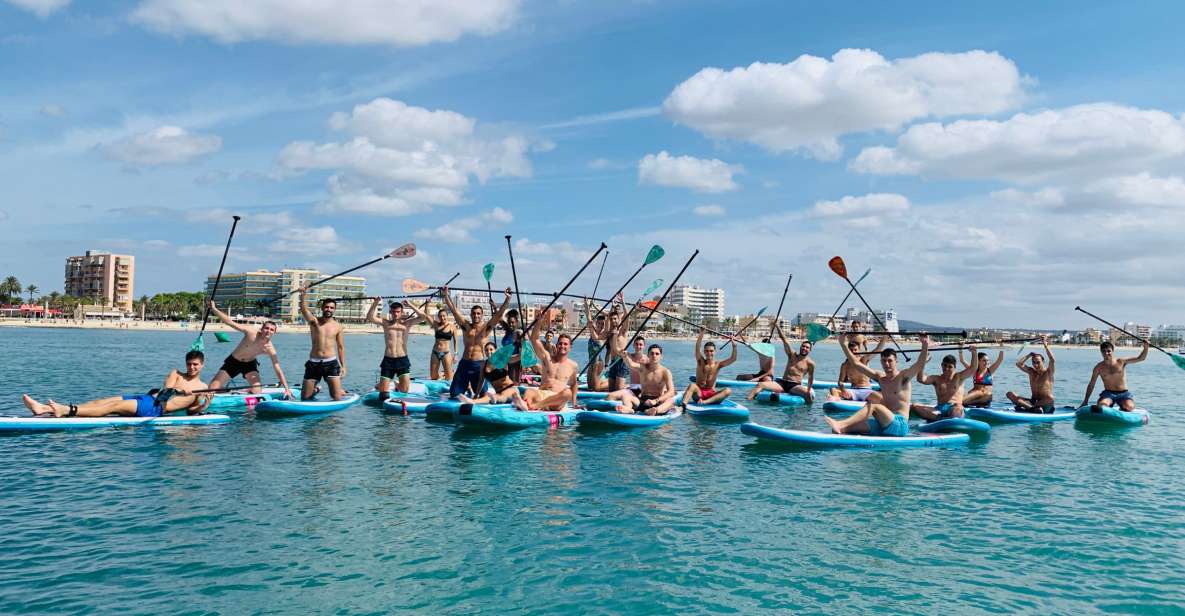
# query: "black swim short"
394,367
234,367
787,385
316,369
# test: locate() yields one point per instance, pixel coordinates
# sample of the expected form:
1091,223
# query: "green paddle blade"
1179,360
816,332
528,356
656,253
502,356
198,344
763,348
1021,350
863,276
222,337
487,272
653,286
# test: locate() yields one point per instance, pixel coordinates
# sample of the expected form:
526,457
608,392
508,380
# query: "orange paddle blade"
411,285
837,265
649,304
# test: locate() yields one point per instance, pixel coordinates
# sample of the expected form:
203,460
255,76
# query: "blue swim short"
618,369
897,427
944,409
145,405
1116,397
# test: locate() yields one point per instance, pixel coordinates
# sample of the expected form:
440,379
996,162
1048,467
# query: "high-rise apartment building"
250,292
705,303
105,278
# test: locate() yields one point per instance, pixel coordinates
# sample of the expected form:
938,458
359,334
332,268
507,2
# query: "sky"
993,163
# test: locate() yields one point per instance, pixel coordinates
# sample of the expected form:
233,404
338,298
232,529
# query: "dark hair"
512,313
192,355
888,353
563,337
949,359
640,339
328,300
272,323
654,346
600,317
709,345
1106,345
394,305
981,355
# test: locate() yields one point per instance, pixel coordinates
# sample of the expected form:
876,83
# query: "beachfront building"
105,278
708,303
250,293
466,300
1174,334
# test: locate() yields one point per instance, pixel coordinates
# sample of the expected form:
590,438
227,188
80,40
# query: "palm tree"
31,290
54,298
11,287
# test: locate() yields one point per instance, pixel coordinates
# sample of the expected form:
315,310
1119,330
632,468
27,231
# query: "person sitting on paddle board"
243,360
175,395
513,335
891,416
395,364
501,388
558,388
765,366
616,337
981,386
327,357
468,376
639,356
799,367
707,370
1113,371
657,394
1040,382
856,330
861,387
948,390
444,347
597,332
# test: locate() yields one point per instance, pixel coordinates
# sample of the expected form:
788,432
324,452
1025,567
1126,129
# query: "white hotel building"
706,303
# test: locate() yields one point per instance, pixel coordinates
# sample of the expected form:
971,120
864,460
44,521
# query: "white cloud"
708,210
403,160
163,145
307,241
53,111
41,8
808,103
401,23
603,118
1142,189
1046,197
459,231
1080,142
865,211
698,174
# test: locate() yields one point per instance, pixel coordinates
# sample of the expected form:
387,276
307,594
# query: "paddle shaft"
218,278
236,388
556,297
693,324
877,317
610,301
1114,326
964,347
598,283
779,315
324,280
741,331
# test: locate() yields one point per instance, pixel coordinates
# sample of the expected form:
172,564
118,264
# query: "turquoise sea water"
358,512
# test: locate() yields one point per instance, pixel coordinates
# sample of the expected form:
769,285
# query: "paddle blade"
1021,350
1179,360
649,304
502,356
653,287
864,275
761,312
487,272
411,285
816,332
763,348
221,337
405,251
198,344
656,253
837,265
528,356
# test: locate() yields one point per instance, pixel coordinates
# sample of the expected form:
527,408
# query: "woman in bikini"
502,389
981,388
443,348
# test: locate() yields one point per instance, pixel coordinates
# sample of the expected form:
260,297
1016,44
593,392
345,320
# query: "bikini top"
494,375
442,334
984,379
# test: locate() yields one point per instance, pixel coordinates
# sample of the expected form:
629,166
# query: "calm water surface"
359,512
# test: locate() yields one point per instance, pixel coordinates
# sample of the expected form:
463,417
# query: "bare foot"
59,409
835,427
35,407
465,399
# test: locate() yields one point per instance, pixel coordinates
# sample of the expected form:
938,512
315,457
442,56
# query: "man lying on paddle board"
948,390
558,388
657,395
395,364
765,366
890,417
861,387
799,368
327,357
1040,382
175,395
1114,374
707,370
244,359
468,376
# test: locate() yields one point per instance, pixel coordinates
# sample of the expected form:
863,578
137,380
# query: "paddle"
742,330
1177,359
502,356
487,272
779,315
598,283
405,251
837,265
964,346
654,254
762,348
235,388
831,321
198,343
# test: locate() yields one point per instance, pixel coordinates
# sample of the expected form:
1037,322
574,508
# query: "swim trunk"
146,405
705,393
787,385
618,370
394,367
468,377
944,409
234,367
1116,397
861,394
897,427
594,350
317,369
642,400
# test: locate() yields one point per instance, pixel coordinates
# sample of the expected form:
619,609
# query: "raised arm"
785,345
1138,358
699,343
854,362
923,357
225,318
496,318
303,298
537,344
418,315
733,357
996,364
968,370
372,314
1048,352
448,302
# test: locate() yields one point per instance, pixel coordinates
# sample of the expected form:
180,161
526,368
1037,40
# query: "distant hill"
917,326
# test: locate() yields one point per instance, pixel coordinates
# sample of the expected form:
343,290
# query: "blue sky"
994,164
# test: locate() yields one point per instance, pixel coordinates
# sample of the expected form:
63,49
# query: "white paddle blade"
405,251
411,285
